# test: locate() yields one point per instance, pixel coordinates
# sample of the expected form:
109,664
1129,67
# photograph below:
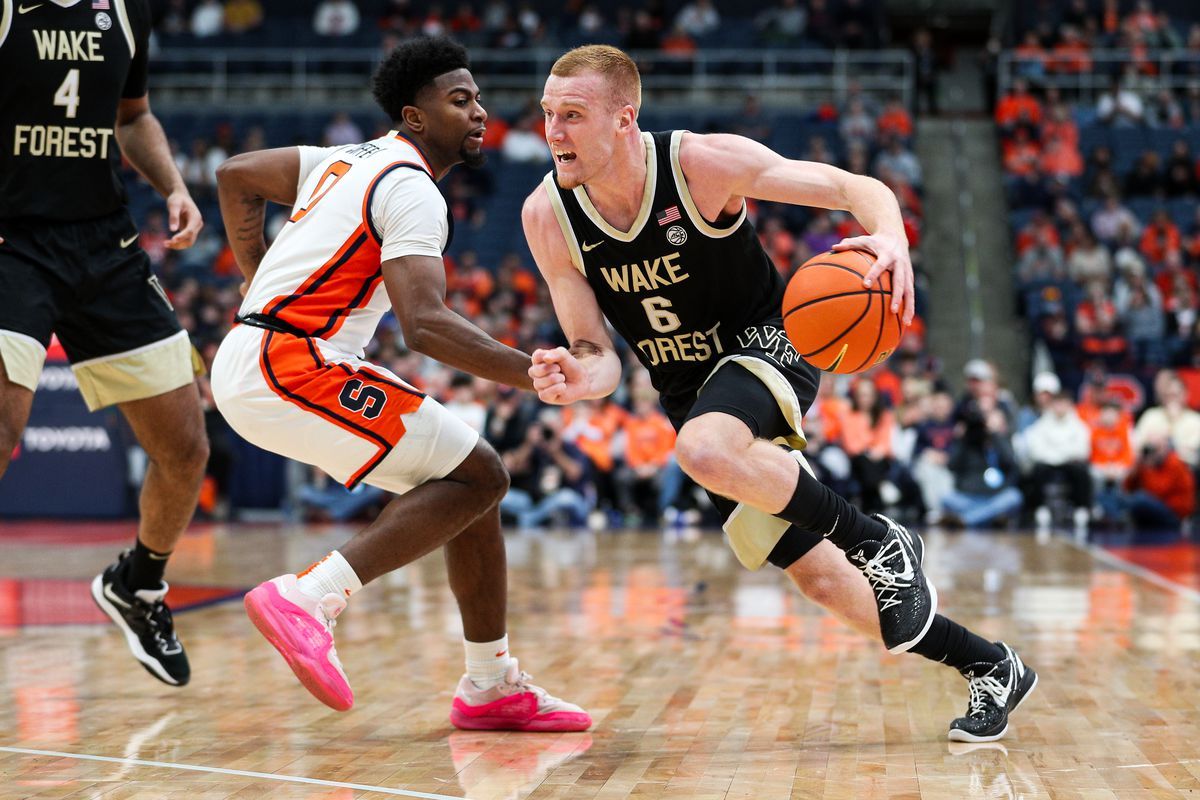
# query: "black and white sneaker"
997,689
906,599
146,622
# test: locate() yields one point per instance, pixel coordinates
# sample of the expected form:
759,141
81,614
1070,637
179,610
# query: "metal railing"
1157,69
245,76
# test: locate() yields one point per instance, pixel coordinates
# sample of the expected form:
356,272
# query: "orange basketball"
833,321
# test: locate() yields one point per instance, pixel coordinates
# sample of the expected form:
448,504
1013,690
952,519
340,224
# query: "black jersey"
682,291
63,69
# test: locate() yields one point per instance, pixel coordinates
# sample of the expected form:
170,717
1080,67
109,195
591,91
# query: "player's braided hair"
411,67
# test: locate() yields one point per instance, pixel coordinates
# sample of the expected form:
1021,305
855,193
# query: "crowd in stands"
1103,189
653,25
603,461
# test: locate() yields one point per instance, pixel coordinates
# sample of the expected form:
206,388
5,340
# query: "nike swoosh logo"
157,557
126,242
27,9
587,248
108,592
833,527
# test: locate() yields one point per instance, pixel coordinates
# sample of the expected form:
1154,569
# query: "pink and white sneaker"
514,705
301,629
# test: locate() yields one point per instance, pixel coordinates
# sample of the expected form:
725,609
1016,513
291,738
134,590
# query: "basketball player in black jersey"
650,232
73,90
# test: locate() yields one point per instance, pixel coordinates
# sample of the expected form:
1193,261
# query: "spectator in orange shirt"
642,481
1112,445
1061,159
1021,153
1071,55
894,121
1160,237
1160,492
1018,107
1031,57
1060,127
867,429
591,426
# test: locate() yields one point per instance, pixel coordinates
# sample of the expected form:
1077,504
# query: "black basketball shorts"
89,283
766,384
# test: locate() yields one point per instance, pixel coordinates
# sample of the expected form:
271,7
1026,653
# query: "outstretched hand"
891,252
558,377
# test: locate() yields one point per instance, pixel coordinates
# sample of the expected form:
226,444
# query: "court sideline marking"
1105,557
240,773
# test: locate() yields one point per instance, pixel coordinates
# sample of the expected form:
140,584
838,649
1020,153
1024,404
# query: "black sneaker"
146,622
906,600
997,689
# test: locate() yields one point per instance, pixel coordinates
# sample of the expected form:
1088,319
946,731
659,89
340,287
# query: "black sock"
816,508
145,568
949,643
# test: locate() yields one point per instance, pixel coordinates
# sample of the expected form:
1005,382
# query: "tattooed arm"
244,185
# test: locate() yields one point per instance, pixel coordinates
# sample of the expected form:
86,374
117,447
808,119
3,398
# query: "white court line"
1102,555
240,773
1126,766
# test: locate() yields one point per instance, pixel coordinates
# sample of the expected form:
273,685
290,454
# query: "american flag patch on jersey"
668,216
100,5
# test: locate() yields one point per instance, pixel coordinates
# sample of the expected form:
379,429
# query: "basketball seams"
817,300
872,353
866,310
858,335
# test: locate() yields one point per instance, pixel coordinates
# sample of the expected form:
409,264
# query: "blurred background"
1044,155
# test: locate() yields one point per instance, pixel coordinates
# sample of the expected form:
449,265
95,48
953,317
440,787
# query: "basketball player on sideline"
650,232
73,88
369,226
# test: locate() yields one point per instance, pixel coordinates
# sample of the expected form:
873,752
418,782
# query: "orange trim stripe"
298,374
345,282
420,155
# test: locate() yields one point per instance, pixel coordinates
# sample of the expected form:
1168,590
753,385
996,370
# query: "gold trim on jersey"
564,222
702,225
147,371
6,12
123,20
585,202
22,357
753,533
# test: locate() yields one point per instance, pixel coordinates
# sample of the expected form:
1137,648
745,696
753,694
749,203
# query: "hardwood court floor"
706,681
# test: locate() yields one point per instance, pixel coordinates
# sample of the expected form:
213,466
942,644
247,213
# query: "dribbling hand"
891,252
558,377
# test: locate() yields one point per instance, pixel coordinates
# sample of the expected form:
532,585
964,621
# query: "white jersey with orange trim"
356,207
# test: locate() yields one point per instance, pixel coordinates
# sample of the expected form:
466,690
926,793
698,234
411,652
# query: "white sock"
331,575
487,661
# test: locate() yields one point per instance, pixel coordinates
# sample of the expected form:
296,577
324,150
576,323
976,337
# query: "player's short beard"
473,160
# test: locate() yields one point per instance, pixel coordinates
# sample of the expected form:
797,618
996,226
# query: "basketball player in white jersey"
367,233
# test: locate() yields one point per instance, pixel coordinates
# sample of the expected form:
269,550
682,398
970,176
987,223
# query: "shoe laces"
518,677
882,577
159,623
985,691
330,606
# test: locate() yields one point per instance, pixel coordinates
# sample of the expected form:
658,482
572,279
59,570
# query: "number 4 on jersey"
68,93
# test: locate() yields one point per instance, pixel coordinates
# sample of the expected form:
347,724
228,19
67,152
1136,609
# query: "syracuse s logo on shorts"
366,400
